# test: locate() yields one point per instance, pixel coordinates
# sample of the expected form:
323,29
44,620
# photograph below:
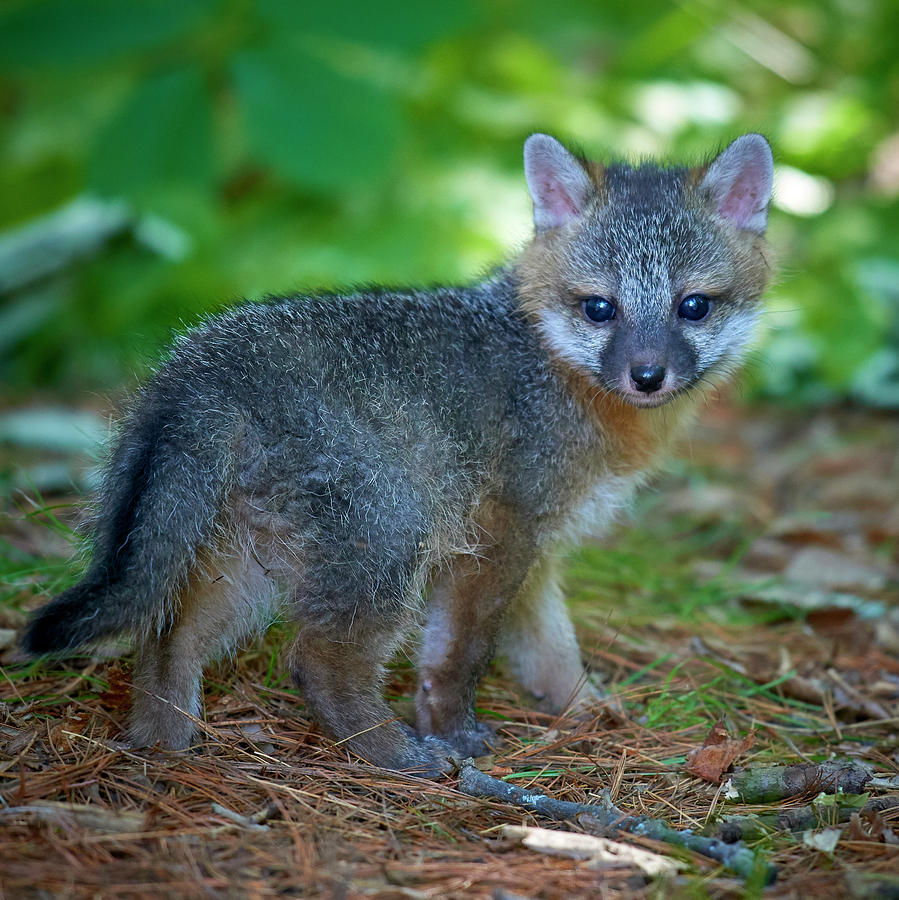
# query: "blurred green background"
160,158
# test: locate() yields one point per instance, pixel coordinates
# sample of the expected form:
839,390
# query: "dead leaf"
870,826
856,832
21,742
717,753
822,568
117,696
600,852
824,840
830,618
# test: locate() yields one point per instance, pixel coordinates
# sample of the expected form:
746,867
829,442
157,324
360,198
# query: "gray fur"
334,455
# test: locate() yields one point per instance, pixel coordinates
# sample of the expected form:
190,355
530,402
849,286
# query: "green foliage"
269,145
60,34
315,140
161,135
392,24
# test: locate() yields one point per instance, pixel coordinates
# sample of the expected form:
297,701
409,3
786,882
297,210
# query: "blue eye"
598,309
694,307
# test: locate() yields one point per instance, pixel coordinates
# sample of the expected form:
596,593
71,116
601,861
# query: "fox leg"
221,603
468,607
540,646
341,674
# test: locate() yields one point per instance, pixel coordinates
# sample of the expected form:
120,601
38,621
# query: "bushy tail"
161,496
76,616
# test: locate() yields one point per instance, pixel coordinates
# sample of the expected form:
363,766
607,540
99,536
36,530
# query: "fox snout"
647,379
648,383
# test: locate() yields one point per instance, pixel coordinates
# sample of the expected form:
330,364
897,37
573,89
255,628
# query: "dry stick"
796,818
66,815
736,857
769,783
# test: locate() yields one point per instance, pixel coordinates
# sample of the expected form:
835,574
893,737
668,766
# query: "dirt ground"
756,587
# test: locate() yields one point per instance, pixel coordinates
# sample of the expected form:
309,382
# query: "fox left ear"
740,180
559,186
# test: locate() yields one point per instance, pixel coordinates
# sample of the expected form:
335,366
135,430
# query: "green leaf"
391,23
62,33
61,430
310,124
841,800
876,382
26,315
161,135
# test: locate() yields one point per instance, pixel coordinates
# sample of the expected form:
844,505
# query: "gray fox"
352,461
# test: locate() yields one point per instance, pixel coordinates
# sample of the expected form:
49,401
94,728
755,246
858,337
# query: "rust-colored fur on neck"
634,439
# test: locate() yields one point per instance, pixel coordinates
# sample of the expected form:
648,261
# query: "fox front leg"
468,607
342,679
541,648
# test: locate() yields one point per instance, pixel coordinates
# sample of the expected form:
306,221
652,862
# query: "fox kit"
351,460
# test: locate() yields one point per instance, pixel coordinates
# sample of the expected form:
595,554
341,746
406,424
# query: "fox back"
355,461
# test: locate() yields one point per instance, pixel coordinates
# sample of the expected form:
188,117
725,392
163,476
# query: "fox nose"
647,378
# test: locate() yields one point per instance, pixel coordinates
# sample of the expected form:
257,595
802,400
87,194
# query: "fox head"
647,278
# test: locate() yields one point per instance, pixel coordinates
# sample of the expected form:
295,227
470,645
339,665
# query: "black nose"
648,378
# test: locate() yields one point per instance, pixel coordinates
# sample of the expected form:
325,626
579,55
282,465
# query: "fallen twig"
796,818
253,823
69,815
734,856
765,785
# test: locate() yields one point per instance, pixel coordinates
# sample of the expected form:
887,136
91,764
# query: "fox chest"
593,511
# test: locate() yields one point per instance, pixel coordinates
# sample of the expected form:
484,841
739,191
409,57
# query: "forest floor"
752,598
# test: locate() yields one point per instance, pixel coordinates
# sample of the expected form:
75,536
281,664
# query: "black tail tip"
61,624
47,632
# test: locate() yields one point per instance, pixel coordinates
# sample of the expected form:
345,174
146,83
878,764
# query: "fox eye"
598,309
694,307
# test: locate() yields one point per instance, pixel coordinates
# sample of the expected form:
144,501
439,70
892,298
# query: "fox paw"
426,757
476,740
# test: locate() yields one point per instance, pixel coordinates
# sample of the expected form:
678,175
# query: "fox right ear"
559,186
739,181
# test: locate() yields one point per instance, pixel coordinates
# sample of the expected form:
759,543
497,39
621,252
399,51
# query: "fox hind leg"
222,602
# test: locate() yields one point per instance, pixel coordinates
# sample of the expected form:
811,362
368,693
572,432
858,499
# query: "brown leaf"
856,831
69,815
717,753
879,830
117,696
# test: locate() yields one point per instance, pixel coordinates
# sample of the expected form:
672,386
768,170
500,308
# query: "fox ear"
740,180
559,186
